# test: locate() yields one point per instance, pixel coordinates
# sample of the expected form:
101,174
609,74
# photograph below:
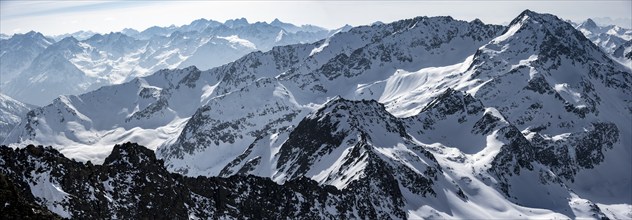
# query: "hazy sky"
105,16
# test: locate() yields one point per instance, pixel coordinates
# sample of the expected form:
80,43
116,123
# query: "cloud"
47,8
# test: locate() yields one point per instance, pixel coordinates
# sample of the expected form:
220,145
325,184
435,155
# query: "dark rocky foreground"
133,184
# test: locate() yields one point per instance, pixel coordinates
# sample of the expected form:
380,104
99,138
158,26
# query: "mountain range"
428,117
615,40
37,69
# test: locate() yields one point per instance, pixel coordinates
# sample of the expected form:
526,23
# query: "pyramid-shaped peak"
477,21
68,40
589,24
551,31
31,33
362,115
276,21
528,16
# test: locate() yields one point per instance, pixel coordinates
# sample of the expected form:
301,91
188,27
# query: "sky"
59,17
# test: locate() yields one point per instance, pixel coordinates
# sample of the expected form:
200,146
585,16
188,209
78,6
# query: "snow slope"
11,113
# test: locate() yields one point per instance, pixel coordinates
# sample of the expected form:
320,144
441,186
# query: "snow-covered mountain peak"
543,54
33,35
589,24
80,35
29,39
236,23
130,31
293,28
199,25
358,146
276,22
540,41
543,27
112,36
366,116
69,43
18,52
116,41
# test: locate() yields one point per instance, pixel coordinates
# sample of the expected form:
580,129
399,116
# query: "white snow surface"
51,195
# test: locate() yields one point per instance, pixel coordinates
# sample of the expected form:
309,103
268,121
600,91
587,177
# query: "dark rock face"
133,184
516,154
18,204
582,150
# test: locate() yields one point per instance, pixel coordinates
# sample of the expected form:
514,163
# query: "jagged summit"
542,41
236,23
548,26
32,34
366,116
131,154
66,45
276,21
133,184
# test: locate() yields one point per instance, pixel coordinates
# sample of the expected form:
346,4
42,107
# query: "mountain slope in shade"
493,151
11,113
623,54
50,75
17,53
229,124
